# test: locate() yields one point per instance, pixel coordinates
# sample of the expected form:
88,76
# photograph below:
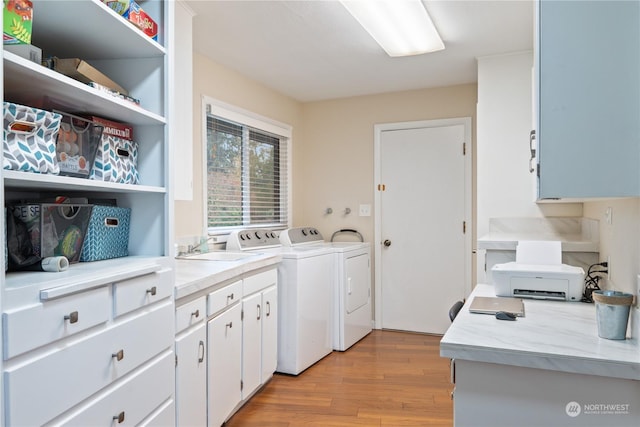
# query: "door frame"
468,196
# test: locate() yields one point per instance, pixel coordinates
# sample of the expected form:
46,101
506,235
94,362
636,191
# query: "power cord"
591,280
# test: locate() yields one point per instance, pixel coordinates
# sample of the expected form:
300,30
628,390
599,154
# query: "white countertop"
553,335
193,276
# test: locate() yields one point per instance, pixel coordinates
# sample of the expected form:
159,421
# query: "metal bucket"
612,313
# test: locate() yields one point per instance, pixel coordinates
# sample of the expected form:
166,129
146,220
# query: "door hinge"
464,227
241,385
464,148
382,187
176,360
242,315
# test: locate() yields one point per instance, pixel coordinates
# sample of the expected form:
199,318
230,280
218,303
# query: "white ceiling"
314,50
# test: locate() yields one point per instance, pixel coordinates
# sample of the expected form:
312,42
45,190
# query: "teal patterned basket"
108,234
29,142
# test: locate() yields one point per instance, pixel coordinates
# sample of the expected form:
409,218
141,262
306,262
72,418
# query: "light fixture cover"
401,27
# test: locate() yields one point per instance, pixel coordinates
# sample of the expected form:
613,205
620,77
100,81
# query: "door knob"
387,243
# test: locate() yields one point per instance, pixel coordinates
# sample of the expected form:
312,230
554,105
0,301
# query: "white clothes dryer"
351,290
305,280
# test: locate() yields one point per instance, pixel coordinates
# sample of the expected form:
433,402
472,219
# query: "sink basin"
218,256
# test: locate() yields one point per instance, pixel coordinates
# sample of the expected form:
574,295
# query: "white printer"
538,272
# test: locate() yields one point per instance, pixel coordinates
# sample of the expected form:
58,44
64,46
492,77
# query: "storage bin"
29,142
77,145
117,156
55,229
108,234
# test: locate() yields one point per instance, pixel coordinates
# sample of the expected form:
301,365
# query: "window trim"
239,115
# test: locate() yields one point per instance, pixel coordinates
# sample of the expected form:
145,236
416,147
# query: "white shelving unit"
106,324
90,30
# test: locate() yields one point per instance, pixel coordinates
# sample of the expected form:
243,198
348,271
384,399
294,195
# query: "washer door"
358,282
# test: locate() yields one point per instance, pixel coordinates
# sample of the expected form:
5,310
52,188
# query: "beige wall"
332,143
620,240
223,84
337,164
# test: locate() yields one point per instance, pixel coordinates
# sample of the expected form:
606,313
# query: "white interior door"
423,261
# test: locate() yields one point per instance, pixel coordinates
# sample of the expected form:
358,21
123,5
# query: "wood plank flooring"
387,379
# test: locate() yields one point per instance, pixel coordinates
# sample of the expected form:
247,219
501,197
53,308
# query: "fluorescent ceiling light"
401,27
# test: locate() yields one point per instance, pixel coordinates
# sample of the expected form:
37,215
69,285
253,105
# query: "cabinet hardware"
268,308
532,150
196,314
229,325
72,317
119,417
259,314
152,291
201,351
229,297
119,355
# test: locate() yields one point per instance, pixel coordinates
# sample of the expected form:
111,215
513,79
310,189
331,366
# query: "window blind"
246,176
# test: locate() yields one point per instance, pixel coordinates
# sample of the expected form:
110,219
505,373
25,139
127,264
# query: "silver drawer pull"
119,355
268,308
259,312
119,417
152,291
201,352
72,317
196,314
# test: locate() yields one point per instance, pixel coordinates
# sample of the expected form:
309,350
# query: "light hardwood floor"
387,379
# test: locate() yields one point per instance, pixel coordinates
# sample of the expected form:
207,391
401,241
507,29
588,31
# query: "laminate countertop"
553,335
194,276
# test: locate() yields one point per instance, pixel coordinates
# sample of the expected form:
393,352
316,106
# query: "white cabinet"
269,333
191,377
224,347
70,371
588,78
259,331
191,363
77,340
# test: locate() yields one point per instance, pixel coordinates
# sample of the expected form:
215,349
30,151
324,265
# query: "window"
247,170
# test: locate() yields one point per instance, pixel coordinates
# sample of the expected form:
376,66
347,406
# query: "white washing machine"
351,299
305,280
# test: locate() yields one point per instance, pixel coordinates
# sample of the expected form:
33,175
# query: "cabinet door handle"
532,150
268,308
196,314
119,355
119,417
201,352
229,298
229,325
72,317
259,312
152,291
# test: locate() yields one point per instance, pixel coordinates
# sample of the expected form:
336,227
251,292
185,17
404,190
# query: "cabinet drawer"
124,404
190,314
224,297
135,293
259,281
31,327
58,381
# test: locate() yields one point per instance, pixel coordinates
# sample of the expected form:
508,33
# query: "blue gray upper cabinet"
588,79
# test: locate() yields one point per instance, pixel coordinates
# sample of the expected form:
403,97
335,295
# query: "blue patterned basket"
29,142
108,234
